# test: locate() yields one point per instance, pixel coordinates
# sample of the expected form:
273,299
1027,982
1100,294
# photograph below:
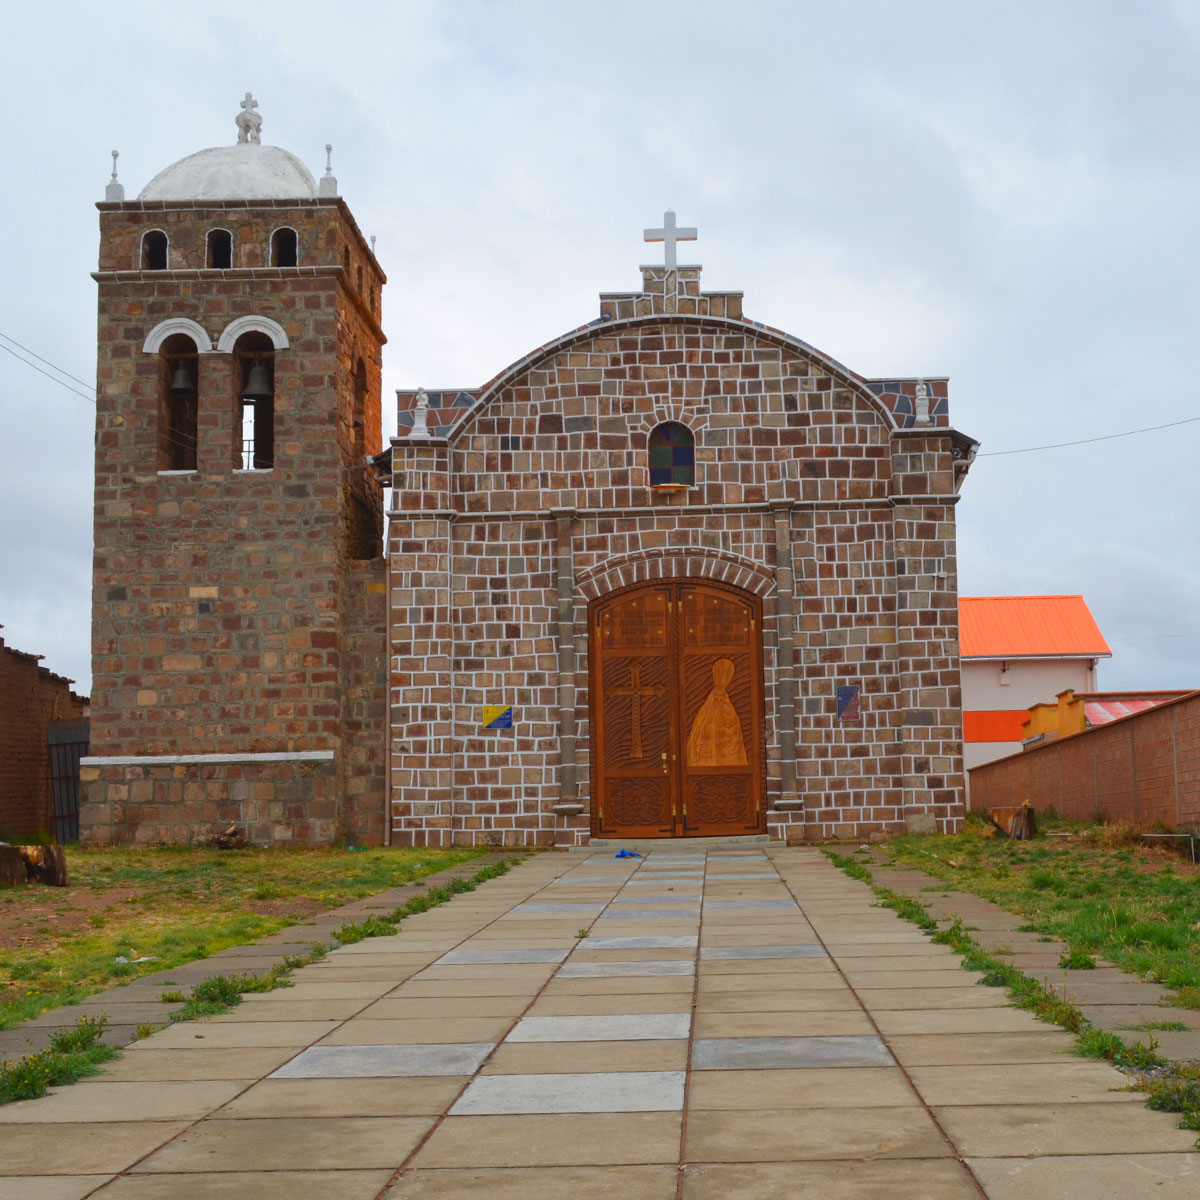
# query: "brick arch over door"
686,563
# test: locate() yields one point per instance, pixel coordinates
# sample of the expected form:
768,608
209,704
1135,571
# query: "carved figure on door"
715,739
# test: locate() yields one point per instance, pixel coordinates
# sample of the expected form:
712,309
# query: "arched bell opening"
179,378
254,372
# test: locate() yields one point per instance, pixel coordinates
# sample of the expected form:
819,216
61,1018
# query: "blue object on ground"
627,854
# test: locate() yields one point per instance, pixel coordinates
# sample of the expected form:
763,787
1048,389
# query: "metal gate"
68,741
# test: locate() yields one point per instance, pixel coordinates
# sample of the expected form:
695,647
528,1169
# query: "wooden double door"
676,689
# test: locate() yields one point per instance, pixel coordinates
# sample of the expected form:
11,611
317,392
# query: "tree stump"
45,864
12,865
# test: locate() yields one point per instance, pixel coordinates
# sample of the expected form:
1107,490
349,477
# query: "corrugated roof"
1028,627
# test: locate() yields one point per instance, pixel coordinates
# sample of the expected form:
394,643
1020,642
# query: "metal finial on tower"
328,186
115,190
420,425
249,123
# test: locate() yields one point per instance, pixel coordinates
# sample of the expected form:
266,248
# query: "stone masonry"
237,613
828,496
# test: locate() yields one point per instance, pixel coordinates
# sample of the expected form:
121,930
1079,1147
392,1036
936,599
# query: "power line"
52,378
1108,437
45,360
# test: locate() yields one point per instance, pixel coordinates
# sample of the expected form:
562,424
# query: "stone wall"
30,698
1144,769
806,494
229,604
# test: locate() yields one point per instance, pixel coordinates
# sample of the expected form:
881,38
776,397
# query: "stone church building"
673,574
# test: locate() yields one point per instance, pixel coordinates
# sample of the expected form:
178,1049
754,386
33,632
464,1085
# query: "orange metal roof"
1028,627
999,725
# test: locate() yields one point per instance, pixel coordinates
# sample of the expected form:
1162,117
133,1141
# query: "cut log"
230,839
1024,825
46,864
12,865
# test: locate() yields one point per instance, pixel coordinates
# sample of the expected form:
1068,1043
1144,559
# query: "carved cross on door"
637,691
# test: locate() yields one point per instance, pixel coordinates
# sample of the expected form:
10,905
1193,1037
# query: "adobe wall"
1144,769
806,495
30,698
228,604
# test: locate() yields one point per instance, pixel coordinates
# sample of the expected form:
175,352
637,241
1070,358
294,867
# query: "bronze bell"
182,383
258,382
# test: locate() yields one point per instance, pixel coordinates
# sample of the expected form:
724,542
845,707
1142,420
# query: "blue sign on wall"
848,708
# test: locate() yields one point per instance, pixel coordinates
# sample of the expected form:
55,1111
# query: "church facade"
673,574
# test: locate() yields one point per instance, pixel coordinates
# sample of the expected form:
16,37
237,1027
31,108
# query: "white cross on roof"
669,234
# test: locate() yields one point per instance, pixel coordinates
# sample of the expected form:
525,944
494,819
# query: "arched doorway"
676,696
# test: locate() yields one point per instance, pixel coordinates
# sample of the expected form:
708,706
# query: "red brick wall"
1144,768
30,698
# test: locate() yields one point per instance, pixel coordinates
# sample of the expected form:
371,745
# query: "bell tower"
238,584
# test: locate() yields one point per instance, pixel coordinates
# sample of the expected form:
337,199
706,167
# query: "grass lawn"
1095,887
173,905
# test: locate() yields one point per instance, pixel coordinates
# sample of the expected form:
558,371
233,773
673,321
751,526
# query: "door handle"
666,768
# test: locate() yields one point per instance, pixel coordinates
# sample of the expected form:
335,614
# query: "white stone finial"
115,190
420,425
921,407
249,123
669,234
328,185
372,243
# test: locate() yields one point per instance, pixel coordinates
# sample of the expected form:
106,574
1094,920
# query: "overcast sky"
1005,193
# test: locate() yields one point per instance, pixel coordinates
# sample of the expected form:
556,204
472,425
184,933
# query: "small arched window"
179,375
154,250
285,248
346,257
672,457
219,254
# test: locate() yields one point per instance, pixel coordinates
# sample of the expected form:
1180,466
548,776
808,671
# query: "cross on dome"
669,234
249,123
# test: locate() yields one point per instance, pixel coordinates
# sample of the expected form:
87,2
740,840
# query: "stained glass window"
672,456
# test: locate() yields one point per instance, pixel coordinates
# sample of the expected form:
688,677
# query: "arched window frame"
178,417
274,247
144,252
254,448
208,249
671,457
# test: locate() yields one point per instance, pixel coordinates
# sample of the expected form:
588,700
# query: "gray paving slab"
344,1062
609,1091
650,942
610,970
651,914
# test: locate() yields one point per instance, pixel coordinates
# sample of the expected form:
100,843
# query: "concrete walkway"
736,1024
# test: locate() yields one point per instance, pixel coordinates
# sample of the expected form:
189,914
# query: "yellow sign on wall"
497,716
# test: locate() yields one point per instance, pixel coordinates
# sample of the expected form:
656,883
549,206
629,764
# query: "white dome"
246,171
